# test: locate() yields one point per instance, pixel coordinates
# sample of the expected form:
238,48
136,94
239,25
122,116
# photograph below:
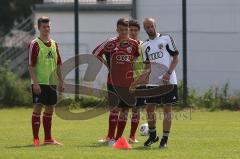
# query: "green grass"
208,135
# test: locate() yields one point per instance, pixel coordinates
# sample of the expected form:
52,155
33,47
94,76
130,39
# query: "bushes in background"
213,98
17,92
13,90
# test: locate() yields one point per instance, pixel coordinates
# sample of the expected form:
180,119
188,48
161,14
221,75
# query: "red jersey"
120,56
33,50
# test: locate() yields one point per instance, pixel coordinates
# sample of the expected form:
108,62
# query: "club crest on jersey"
129,49
160,46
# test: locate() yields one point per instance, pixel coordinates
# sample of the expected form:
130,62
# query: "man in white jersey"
160,57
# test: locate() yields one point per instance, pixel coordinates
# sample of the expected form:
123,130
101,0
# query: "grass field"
208,135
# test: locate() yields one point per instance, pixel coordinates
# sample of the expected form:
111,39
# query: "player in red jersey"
119,53
44,61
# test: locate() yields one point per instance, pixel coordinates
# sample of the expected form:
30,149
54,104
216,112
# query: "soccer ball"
144,129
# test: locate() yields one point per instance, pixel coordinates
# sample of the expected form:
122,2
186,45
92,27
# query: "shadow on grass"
134,147
94,145
30,146
142,148
20,146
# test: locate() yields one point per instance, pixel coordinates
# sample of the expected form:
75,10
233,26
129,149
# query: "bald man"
160,57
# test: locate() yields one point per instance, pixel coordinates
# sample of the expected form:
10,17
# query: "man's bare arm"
173,63
59,73
144,77
166,76
60,78
36,87
32,74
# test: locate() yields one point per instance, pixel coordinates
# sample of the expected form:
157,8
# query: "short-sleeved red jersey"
120,56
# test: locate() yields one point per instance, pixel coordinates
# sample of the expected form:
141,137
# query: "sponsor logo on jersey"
116,49
124,58
147,49
156,55
49,55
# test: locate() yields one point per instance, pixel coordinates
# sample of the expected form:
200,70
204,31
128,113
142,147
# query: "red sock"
113,118
120,127
134,123
35,124
47,124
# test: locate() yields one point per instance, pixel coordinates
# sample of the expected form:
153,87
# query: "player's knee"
125,110
49,109
114,110
167,108
37,108
150,108
135,110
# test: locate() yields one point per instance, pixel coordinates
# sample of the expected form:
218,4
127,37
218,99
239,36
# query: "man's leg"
47,121
167,121
47,124
36,120
151,117
112,122
113,101
122,120
134,123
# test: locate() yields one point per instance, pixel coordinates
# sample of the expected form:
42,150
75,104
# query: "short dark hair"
43,20
134,23
123,22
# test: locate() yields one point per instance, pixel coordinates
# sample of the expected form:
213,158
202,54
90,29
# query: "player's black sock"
152,133
153,138
165,136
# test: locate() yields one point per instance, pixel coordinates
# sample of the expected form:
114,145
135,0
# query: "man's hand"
132,87
61,86
166,78
36,88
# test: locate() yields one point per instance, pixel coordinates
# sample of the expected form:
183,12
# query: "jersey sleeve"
33,50
100,49
171,46
59,60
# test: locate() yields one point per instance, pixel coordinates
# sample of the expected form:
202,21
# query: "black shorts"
120,97
48,95
140,101
169,98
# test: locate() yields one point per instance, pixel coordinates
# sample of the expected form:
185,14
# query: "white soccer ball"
144,129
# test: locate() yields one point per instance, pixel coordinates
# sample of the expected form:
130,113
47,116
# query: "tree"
13,12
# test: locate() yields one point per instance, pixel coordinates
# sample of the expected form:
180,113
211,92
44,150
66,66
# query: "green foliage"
13,90
12,12
16,92
213,98
82,102
89,101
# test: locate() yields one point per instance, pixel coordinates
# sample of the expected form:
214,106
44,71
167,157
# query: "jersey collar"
158,35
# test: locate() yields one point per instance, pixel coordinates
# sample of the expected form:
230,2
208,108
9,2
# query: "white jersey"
158,53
